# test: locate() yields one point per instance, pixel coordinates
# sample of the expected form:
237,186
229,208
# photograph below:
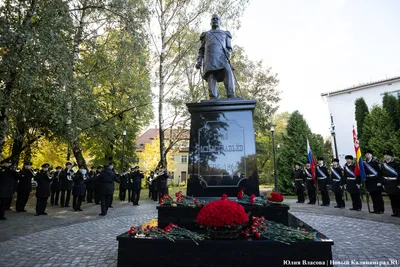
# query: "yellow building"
178,153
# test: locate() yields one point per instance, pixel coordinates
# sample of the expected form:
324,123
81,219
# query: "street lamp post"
333,133
123,152
273,151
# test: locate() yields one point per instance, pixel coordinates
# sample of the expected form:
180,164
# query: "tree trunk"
18,141
28,154
76,149
163,160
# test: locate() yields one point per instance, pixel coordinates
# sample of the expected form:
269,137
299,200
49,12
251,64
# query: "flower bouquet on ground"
181,200
263,229
171,232
224,219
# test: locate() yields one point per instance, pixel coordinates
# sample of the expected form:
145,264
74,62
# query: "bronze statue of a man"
216,50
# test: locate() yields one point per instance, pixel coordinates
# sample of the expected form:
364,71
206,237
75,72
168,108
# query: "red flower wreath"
221,213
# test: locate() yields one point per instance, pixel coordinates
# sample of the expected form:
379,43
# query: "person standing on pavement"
391,180
96,184
338,183
79,188
7,180
321,173
43,178
66,184
298,182
137,177
106,185
55,186
90,185
162,182
373,182
310,183
353,183
123,185
24,186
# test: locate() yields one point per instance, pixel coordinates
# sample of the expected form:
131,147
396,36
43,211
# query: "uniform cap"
68,163
320,158
58,167
297,163
388,152
28,163
7,161
46,165
349,157
100,167
336,160
369,151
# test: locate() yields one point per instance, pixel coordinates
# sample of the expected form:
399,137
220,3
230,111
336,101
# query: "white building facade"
341,105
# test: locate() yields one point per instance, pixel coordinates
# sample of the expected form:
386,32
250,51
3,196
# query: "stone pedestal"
222,151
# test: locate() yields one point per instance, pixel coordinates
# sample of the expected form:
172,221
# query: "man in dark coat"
130,185
298,181
106,187
162,178
123,186
79,188
373,181
43,178
24,187
391,178
154,185
7,180
321,172
338,182
150,184
310,183
66,184
353,183
137,177
55,186
90,185
96,185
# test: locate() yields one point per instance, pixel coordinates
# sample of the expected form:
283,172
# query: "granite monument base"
222,151
221,253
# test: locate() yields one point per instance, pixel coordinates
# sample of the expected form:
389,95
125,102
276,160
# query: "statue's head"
215,21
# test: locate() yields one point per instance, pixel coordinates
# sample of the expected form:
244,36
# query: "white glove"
303,185
341,186
379,184
345,187
358,186
293,183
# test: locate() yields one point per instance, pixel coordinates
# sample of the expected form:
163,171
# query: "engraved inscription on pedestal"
221,154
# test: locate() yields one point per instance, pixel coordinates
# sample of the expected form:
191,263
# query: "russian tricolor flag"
359,170
311,160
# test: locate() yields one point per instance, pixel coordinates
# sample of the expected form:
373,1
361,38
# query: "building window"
183,158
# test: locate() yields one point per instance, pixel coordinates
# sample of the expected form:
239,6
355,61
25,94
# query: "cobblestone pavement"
66,238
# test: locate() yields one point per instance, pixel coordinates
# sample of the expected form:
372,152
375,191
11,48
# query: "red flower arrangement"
275,197
222,213
245,199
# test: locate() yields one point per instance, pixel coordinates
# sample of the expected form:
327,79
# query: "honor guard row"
380,177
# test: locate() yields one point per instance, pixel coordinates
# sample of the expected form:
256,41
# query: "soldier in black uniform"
66,184
106,187
137,177
162,182
373,181
55,186
90,185
79,188
321,172
43,178
96,185
24,187
7,180
391,180
338,182
298,181
150,185
310,183
130,185
123,185
353,183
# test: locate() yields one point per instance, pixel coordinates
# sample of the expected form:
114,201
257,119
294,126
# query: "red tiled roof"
151,134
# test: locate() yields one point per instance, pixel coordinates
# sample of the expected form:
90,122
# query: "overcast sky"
317,46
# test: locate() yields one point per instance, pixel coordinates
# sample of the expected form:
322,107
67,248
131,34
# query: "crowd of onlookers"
94,186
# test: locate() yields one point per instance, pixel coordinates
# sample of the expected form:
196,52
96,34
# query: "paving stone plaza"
65,238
